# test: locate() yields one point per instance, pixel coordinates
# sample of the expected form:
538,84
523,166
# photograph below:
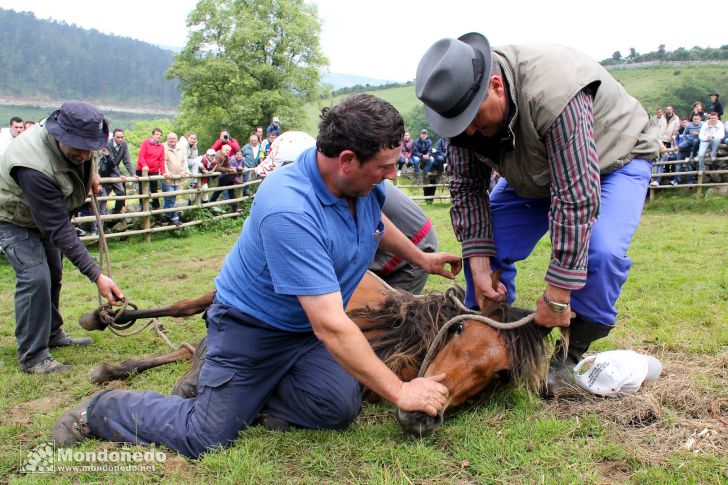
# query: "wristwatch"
555,306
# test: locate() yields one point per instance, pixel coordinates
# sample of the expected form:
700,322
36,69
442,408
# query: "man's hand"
424,394
548,318
434,263
483,281
109,290
123,178
96,184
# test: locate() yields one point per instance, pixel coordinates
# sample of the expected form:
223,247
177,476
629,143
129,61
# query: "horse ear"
495,278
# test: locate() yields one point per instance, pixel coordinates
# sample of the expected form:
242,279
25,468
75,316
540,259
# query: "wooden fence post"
146,220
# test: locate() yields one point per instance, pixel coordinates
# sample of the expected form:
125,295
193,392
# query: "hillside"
679,84
43,61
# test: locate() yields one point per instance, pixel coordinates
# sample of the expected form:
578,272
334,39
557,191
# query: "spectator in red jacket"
151,155
226,139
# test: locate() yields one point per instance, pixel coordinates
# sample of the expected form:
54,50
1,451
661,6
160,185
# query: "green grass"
675,300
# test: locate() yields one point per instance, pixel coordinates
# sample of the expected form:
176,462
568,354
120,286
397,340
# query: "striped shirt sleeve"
575,192
470,209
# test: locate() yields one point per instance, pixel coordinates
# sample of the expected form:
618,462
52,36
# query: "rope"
470,315
103,247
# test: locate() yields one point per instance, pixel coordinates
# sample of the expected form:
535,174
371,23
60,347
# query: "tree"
246,61
617,56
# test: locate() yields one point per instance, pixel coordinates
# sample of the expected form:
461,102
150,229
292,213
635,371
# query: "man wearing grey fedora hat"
44,177
574,151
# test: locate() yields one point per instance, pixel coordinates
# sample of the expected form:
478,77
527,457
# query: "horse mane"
409,324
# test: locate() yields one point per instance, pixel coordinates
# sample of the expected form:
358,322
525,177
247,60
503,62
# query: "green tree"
246,61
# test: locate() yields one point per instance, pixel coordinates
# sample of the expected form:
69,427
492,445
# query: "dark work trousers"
250,367
225,181
38,273
119,190
153,189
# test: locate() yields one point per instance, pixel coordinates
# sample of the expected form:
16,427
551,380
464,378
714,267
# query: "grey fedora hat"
79,125
452,80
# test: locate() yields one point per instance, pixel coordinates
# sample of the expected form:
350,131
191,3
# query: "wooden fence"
197,200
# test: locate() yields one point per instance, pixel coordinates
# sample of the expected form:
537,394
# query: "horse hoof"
91,321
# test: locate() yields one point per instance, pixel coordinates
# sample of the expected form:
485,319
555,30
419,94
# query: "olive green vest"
38,150
542,80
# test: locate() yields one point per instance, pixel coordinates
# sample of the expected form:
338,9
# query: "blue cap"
79,125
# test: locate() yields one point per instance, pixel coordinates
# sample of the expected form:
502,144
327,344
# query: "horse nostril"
418,422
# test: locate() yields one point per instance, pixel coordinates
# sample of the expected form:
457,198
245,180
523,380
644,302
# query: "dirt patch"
670,415
23,413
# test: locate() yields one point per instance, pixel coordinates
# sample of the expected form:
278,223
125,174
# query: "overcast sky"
385,39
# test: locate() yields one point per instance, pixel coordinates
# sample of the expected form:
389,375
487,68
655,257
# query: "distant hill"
45,61
338,81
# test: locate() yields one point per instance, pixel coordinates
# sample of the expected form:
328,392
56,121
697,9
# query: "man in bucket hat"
574,150
44,177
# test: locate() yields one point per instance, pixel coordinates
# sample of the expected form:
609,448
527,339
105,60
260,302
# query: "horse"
401,328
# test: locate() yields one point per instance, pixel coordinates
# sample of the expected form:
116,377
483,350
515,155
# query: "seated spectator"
151,156
250,157
422,153
405,156
275,126
175,165
223,165
715,105
226,139
8,134
207,163
116,153
688,147
440,155
712,132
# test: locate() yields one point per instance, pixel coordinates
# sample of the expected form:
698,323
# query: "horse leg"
184,308
108,372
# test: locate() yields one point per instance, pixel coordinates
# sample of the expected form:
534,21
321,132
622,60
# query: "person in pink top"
151,155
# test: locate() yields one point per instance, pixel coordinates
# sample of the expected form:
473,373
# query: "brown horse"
400,327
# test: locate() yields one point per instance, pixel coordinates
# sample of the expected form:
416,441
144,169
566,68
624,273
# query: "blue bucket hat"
79,125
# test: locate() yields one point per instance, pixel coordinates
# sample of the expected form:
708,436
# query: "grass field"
674,306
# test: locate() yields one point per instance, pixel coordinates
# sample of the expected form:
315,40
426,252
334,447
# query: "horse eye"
457,329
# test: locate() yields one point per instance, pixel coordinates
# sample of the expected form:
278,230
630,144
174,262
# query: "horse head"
473,354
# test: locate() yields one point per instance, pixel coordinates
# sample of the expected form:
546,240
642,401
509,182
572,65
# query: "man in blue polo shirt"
287,349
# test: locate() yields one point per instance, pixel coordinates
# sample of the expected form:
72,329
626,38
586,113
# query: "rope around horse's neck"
469,315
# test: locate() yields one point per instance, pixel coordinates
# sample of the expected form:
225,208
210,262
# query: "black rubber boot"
560,380
186,386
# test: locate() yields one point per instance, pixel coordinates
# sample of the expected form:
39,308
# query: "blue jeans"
519,223
704,145
38,273
250,367
170,202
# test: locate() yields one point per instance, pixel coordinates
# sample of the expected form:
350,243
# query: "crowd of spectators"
691,143
174,159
